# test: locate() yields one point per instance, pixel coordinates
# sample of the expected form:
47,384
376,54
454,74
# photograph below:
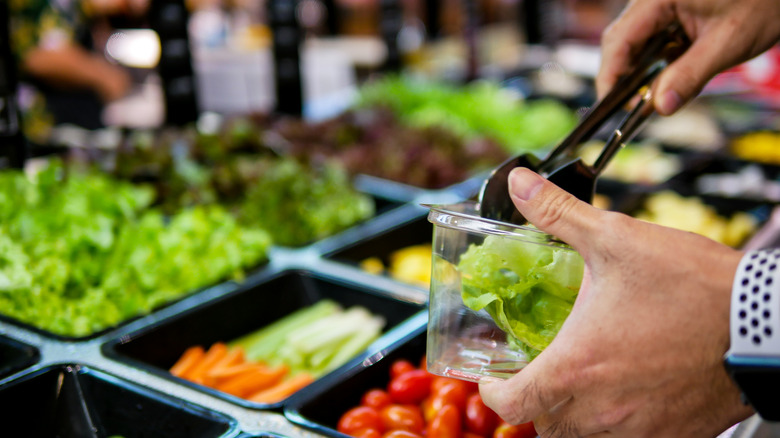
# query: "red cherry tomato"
446,424
471,387
361,417
506,430
401,434
366,433
402,417
410,387
479,418
399,367
468,434
376,398
428,409
451,392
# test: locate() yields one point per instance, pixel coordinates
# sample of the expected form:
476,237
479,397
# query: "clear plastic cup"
499,293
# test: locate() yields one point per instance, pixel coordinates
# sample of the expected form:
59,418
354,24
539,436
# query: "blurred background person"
65,77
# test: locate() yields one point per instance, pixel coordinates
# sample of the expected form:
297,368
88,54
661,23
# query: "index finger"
626,36
535,390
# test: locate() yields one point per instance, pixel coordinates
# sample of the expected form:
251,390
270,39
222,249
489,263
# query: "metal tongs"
561,166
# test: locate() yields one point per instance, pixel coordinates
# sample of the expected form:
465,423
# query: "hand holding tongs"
561,166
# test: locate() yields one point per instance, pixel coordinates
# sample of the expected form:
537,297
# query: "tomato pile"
417,404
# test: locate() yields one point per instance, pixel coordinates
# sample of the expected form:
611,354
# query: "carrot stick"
219,376
282,390
250,382
233,357
213,355
188,359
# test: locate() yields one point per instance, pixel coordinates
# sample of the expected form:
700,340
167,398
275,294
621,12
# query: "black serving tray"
73,401
415,231
319,409
15,356
156,347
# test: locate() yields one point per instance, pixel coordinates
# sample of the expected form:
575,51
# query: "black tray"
67,401
157,347
15,356
417,230
319,409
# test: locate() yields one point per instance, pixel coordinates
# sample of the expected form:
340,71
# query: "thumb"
553,210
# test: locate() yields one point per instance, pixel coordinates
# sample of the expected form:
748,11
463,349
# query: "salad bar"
271,277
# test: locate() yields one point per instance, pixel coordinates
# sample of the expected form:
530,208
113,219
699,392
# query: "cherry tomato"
361,417
366,432
506,430
479,418
433,404
376,398
471,387
410,387
451,392
399,367
468,434
428,409
401,434
402,417
446,424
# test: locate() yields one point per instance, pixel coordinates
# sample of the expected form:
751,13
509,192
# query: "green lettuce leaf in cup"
528,289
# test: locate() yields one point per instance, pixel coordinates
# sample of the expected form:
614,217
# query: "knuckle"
507,404
554,208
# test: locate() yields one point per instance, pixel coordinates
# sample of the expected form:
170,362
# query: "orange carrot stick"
232,358
250,382
282,390
213,355
188,359
221,375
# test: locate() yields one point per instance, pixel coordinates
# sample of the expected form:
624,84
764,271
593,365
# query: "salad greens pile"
80,252
479,109
528,289
300,205
297,200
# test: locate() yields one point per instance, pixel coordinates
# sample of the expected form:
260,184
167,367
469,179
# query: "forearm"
70,66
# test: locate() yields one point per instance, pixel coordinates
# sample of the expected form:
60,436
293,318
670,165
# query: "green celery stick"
264,342
357,343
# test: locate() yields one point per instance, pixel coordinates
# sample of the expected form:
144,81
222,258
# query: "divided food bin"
15,356
74,401
157,347
107,377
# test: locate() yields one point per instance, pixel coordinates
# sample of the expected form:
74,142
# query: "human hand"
723,33
641,354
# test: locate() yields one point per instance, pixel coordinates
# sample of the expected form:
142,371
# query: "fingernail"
670,102
524,184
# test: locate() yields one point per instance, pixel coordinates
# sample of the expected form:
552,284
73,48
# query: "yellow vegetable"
410,265
373,265
761,146
669,209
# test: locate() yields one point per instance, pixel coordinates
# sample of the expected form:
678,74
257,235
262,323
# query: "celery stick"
317,358
357,343
266,341
340,328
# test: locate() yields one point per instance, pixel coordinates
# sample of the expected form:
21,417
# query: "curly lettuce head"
528,289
